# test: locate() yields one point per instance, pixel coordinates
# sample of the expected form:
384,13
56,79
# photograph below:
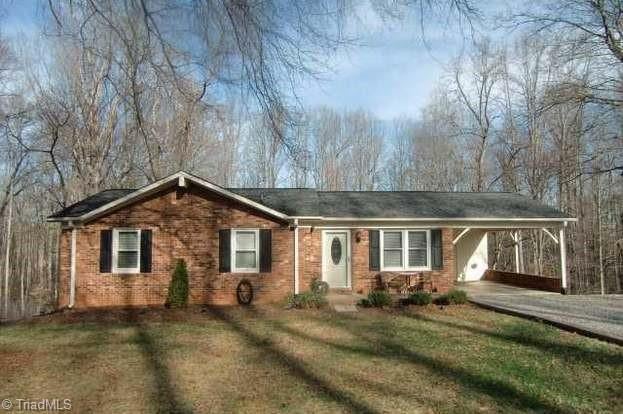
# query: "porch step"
343,301
341,291
345,308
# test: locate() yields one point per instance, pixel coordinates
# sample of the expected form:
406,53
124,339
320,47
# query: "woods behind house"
117,94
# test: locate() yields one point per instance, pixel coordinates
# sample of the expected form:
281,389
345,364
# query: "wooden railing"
549,284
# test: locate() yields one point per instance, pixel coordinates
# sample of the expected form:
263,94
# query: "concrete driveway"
592,315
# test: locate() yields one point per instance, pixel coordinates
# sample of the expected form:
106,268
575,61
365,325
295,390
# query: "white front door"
335,258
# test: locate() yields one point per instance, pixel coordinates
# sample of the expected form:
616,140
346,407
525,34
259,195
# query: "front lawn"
459,359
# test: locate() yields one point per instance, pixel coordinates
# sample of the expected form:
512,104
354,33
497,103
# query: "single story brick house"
118,247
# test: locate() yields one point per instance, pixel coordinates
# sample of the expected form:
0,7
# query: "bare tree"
474,90
586,31
262,155
365,135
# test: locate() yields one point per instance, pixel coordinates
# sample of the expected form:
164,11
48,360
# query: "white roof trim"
182,178
456,240
514,219
554,238
238,197
155,186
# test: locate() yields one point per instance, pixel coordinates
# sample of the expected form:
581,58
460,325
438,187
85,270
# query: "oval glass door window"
336,250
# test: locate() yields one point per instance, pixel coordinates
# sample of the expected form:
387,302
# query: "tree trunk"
7,262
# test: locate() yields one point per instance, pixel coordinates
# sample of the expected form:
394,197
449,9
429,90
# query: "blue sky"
398,66
392,72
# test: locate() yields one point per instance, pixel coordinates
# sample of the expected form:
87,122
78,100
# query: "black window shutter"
105,251
224,250
436,249
266,255
145,251
375,253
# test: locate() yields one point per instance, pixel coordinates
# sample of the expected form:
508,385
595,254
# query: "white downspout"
296,257
563,258
72,272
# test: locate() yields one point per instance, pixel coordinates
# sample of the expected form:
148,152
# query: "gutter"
475,219
296,257
72,271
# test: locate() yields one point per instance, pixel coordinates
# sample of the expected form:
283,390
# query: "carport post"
517,255
562,243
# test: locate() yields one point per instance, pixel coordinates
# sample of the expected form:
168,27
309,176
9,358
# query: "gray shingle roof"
368,204
422,204
290,201
400,204
92,202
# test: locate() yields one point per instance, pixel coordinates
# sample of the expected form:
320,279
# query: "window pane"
128,240
245,260
392,240
245,240
392,258
417,257
417,240
127,260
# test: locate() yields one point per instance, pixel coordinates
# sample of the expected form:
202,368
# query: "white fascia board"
490,226
475,223
157,185
148,189
476,219
222,191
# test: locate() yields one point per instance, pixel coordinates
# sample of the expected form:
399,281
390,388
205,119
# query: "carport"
472,256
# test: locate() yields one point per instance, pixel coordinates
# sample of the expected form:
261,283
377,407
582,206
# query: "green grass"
460,359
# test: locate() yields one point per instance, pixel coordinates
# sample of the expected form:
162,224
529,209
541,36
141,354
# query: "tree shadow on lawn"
165,395
380,345
296,367
513,334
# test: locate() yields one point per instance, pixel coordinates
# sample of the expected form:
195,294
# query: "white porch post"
72,271
516,239
563,258
296,257
520,243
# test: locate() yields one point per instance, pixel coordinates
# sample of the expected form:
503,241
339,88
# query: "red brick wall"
184,225
310,256
365,280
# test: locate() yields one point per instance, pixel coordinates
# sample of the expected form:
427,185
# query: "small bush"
307,300
454,297
178,288
319,286
379,298
457,297
442,300
364,302
420,298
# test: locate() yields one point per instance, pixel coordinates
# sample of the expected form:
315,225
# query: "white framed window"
245,251
405,249
126,251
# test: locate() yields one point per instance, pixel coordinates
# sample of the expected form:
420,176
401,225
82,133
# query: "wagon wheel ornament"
244,292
